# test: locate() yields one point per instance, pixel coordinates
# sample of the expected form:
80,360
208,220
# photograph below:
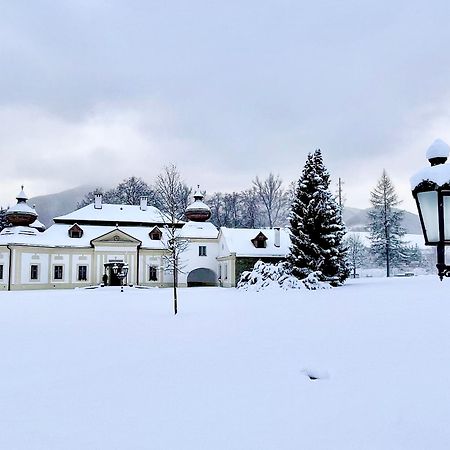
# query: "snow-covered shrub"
265,275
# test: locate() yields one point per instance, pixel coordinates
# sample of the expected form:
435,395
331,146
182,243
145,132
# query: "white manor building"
86,247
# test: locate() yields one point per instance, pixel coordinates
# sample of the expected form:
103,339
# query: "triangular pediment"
116,237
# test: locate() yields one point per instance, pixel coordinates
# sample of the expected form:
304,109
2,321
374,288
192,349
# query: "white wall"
191,260
42,260
81,260
4,261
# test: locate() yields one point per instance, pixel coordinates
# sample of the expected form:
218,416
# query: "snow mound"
438,149
277,276
316,374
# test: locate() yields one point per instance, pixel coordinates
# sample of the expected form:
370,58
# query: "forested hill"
357,220
52,205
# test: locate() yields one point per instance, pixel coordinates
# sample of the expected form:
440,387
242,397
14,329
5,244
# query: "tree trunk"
175,299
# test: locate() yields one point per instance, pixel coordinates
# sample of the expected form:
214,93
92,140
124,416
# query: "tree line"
265,204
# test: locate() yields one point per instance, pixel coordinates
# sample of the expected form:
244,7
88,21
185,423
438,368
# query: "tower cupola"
21,214
198,211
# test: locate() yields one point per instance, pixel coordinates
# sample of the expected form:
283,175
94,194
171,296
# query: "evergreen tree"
3,222
316,226
385,225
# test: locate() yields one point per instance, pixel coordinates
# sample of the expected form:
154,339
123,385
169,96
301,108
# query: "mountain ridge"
60,203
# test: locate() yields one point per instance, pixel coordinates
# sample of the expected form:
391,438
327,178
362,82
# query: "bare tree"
357,253
270,192
109,196
232,209
171,192
250,205
130,191
215,202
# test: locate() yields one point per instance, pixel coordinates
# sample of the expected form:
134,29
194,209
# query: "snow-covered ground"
96,369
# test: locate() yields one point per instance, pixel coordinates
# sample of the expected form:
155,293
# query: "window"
259,241
34,272
152,274
82,273
1,271
202,250
57,272
75,231
155,234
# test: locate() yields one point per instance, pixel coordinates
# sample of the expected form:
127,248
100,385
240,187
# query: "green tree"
316,226
385,225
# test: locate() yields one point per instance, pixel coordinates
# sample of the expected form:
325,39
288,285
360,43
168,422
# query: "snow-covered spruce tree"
3,222
385,225
316,226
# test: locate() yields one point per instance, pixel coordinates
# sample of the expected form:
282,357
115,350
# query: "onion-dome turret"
21,214
198,211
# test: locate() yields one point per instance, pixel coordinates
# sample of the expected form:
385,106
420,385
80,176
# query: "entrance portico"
113,250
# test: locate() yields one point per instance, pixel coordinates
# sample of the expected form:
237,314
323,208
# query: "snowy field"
96,369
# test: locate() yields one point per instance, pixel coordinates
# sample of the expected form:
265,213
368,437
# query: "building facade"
91,245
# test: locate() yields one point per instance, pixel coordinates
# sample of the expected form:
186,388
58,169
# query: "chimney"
98,201
143,203
276,240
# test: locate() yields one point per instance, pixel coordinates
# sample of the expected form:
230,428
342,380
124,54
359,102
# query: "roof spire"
198,195
21,196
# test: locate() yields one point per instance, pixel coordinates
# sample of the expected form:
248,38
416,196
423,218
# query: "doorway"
109,277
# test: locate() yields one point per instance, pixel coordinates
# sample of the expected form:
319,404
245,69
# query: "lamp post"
121,274
431,190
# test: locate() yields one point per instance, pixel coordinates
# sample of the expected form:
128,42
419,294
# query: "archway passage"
202,277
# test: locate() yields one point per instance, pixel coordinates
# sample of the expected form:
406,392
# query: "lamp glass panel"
446,199
428,203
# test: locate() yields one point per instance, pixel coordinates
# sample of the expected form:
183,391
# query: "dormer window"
75,231
155,234
260,241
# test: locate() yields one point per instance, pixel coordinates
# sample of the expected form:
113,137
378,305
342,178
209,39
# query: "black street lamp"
121,274
431,190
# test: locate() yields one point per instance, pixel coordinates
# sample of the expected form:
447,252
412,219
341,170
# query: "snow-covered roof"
439,174
239,241
205,230
19,235
23,208
38,224
21,195
114,214
198,204
58,236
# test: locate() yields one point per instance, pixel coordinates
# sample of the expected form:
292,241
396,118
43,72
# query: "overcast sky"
94,91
